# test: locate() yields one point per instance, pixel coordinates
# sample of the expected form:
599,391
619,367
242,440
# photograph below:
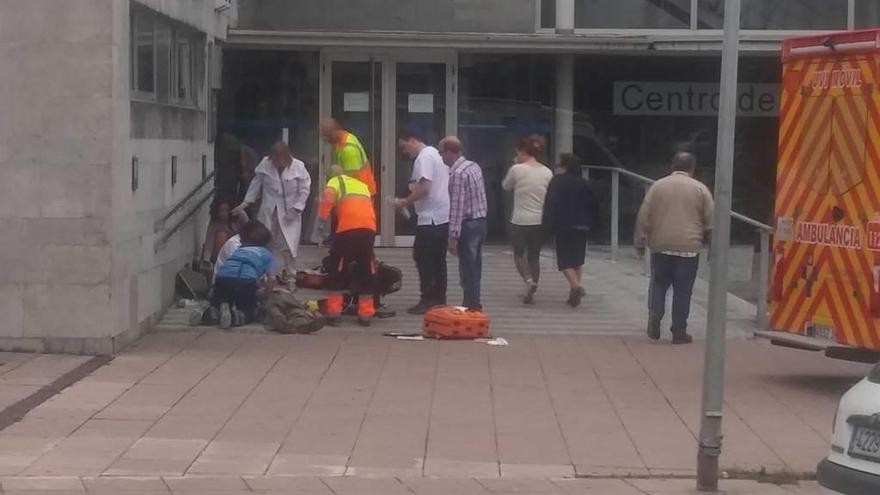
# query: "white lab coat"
285,196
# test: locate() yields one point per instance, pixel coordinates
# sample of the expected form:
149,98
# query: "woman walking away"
235,290
570,211
528,179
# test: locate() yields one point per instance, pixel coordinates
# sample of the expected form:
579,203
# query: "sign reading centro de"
684,98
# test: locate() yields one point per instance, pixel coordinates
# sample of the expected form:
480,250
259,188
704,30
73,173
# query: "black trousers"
353,261
429,253
238,292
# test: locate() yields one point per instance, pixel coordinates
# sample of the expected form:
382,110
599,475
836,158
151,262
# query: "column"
564,134
564,16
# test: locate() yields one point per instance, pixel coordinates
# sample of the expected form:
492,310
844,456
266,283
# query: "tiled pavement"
576,393
344,403
288,485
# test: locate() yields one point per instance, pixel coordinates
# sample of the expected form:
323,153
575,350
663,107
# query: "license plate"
820,332
865,443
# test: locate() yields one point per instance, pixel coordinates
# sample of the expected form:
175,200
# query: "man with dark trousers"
429,193
674,221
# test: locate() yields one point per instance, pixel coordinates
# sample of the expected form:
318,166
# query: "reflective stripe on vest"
345,186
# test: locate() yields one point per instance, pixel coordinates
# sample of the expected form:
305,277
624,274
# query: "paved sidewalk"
280,485
28,377
347,403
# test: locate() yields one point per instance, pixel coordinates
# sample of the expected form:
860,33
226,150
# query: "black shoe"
682,339
653,329
383,312
420,308
334,321
575,296
365,321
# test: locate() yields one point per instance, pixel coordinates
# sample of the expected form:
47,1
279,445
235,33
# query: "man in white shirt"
429,193
281,184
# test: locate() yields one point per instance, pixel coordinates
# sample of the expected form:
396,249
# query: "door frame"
388,116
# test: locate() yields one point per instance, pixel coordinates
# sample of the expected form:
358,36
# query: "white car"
853,465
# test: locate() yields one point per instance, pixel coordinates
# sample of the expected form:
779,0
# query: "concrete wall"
79,272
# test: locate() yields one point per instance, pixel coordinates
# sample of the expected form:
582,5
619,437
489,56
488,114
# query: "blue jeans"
679,273
470,260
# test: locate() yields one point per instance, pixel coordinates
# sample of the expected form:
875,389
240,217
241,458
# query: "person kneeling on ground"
238,278
352,263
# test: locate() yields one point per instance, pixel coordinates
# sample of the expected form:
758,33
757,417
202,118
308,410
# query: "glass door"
355,100
420,105
374,95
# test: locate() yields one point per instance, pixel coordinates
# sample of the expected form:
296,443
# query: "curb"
18,410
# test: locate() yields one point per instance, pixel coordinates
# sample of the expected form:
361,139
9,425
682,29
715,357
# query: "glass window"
454,16
611,131
265,92
502,98
778,14
144,56
183,65
548,14
625,14
867,14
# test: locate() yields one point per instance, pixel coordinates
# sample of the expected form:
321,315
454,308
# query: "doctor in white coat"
283,184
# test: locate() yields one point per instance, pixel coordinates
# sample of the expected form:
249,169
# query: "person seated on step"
240,275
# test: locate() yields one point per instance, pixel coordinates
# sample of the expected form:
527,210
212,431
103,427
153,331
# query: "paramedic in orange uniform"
352,250
349,153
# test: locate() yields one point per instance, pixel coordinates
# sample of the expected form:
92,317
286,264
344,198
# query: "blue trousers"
676,272
470,260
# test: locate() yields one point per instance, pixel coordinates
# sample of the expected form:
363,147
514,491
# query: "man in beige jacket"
674,222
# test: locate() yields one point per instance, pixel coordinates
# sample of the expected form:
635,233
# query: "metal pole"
615,213
763,280
646,261
709,448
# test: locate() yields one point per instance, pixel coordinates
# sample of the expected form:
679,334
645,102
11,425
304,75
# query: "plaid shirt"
467,195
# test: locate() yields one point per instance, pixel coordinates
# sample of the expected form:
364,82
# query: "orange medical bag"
450,322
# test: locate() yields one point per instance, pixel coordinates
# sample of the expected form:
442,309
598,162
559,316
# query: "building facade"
115,114
620,83
104,129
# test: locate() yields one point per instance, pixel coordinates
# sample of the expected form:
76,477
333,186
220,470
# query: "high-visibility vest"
351,156
353,202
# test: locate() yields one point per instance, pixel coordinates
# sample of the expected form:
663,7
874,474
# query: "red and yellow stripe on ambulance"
826,265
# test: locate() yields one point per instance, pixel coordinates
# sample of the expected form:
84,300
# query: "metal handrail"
647,180
182,221
763,229
160,223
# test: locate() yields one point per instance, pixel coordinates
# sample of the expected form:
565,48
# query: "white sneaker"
225,316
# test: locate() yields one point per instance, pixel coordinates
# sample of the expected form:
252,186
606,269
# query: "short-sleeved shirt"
433,209
529,182
247,262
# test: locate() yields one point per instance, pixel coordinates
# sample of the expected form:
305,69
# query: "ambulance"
825,279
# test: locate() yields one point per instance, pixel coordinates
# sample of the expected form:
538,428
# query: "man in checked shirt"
467,218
